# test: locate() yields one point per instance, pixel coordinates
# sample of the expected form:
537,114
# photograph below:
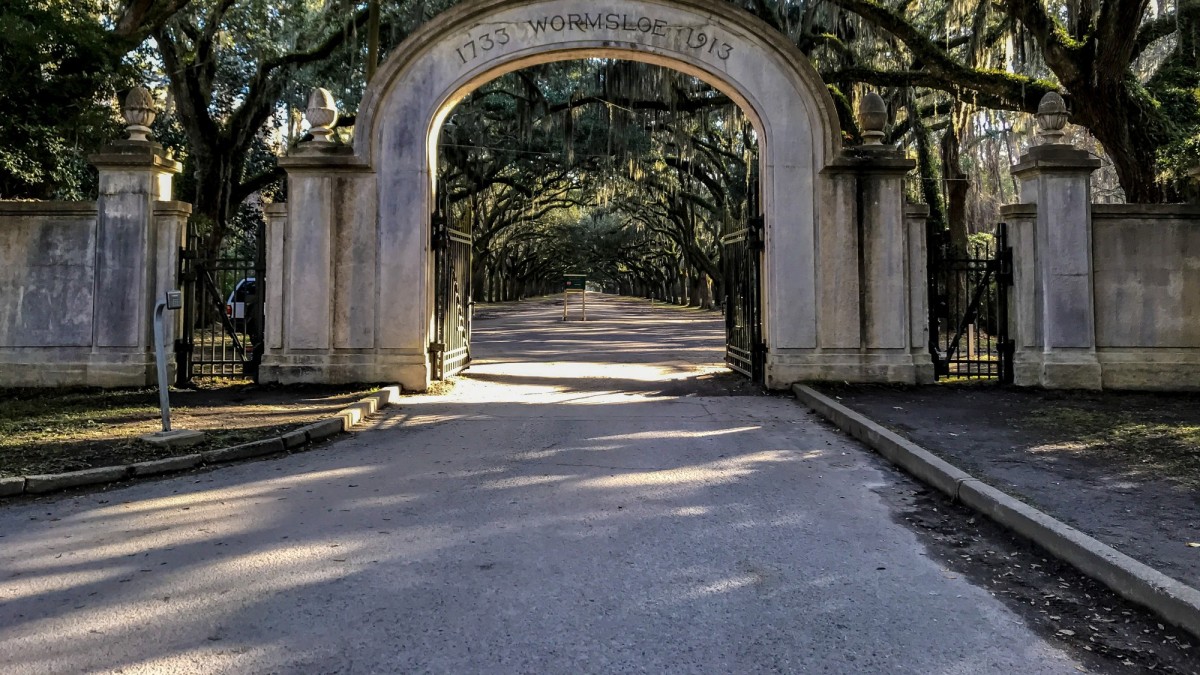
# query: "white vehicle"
236,306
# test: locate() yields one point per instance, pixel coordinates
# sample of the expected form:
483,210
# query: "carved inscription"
702,41
474,47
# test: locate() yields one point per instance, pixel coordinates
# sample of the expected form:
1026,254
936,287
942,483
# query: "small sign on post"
169,437
575,283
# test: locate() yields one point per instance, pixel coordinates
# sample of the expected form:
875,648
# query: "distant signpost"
575,283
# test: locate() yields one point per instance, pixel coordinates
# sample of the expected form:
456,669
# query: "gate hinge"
436,347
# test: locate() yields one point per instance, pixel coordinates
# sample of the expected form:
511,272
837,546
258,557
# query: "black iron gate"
450,350
741,255
222,313
968,307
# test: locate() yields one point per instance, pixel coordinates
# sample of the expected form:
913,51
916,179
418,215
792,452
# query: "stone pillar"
134,257
872,324
1057,179
324,298
170,226
276,216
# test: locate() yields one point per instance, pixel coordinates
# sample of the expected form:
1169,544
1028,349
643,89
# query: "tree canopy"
634,168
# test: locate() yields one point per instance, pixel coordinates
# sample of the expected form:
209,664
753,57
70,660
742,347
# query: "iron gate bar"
980,276
450,351
745,351
211,342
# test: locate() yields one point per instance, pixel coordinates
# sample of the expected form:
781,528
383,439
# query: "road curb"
1170,598
342,421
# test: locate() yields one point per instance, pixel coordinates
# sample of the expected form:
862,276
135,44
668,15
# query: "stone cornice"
324,157
134,154
14,209
1057,158
1019,210
1143,211
870,160
172,208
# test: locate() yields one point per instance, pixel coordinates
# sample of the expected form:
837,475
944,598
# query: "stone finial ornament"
139,114
321,114
872,118
1051,117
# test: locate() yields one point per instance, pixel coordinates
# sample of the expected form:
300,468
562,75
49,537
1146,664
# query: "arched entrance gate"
351,292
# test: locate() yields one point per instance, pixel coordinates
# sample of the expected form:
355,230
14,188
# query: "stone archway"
350,294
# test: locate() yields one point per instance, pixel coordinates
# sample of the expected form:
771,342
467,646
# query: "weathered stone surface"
1147,275
61,481
324,429
1104,295
294,439
78,282
243,451
1057,178
47,264
12,485
176,438
166,465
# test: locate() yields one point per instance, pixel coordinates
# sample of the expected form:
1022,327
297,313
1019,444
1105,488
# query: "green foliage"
59,75
623,169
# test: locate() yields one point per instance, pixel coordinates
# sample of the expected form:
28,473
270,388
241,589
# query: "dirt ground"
51,431
1123,467
1106,632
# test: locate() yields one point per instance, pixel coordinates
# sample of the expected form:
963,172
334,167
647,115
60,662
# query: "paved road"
590,499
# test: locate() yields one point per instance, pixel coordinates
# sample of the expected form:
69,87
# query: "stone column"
170,226
1056,178
870,318
131,251
322,292
276,216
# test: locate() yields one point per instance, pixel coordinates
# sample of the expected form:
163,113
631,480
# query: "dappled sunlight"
725,585
32,585
675,433
586,369
251,491
199,590
521,482
217,658
524,492
721,471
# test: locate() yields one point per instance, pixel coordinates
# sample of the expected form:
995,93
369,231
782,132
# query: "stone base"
1057,370
1150,369
70,367
786,367
411,371
175,438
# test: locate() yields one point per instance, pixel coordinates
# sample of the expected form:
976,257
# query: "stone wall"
1146,280
47,282
1144,264
79,281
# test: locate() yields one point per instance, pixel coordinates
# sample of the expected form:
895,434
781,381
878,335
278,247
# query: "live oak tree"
633,153
1130,68
62,63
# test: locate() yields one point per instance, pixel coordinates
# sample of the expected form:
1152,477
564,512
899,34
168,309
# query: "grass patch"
51,431
1143,445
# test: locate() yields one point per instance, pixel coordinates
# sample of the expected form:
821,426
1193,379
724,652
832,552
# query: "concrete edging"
1170,598
343,420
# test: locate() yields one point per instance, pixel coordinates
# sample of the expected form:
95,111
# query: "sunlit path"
589,498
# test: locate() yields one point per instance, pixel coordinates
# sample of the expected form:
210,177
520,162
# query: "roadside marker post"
172,301
574,283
